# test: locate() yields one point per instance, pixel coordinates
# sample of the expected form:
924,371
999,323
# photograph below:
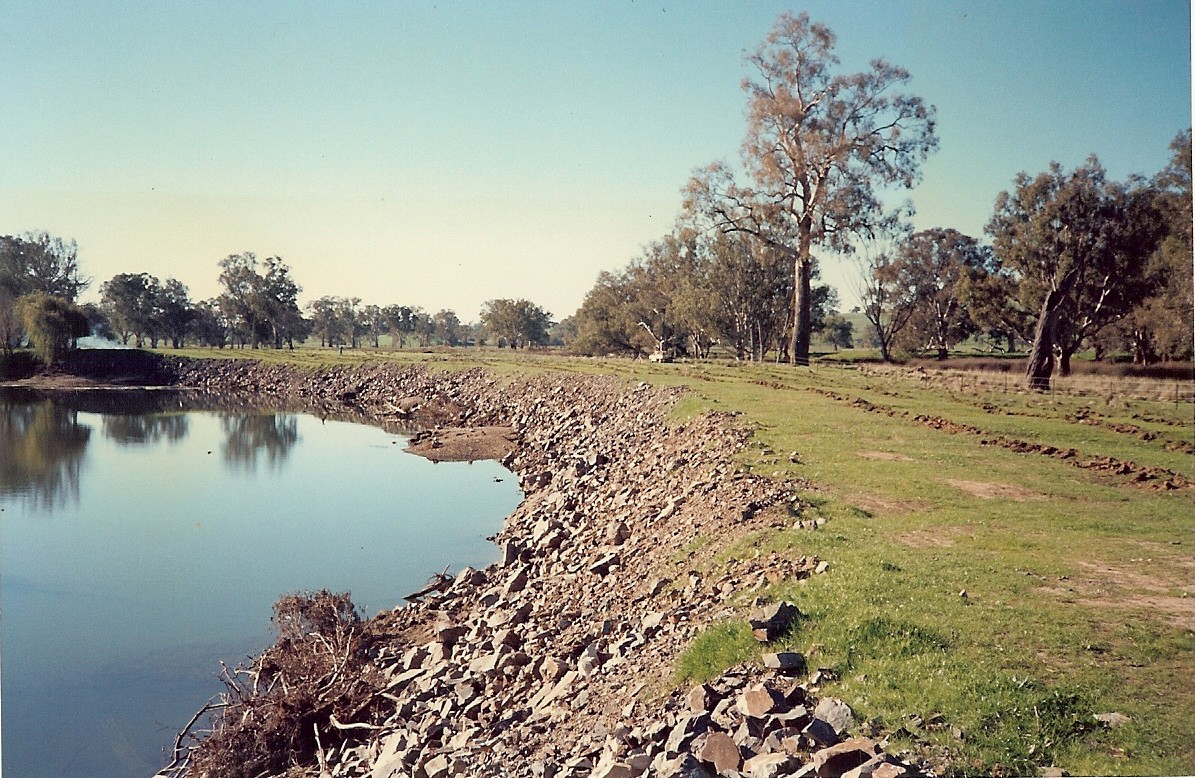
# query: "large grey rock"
836,713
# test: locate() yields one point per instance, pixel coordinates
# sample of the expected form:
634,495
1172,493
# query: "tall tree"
260,301
1078,244
34,262
818,145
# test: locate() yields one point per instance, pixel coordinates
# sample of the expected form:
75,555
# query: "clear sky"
445,153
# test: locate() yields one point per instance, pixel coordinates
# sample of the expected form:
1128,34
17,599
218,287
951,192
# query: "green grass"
1077,582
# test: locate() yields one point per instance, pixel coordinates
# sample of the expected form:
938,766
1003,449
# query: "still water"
142,542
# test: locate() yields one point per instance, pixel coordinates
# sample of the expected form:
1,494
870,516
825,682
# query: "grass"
1078,584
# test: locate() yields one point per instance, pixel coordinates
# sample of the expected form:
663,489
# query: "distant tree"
260,301
518,322
34,262
1078,244
208,327
838,331
50,264
131,301
176,311
447,327
332,320
400,320
52,324
563,333
885,291
936,263
373,323
819,144
1160,325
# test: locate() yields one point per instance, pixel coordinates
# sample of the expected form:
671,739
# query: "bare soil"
464,444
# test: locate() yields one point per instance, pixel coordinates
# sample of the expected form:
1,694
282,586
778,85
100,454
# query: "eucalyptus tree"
935,264
819,145
518,322
1078,244
130,301
260,300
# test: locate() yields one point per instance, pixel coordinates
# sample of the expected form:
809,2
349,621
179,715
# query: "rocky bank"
558,659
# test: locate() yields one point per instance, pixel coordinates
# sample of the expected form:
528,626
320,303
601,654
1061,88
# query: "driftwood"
439,582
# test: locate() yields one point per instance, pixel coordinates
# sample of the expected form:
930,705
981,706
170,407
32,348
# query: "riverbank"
560,658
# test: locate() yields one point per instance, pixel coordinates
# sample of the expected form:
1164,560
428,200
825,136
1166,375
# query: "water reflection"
144,430
41,451
248,435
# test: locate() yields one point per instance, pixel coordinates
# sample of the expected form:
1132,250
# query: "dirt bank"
558,659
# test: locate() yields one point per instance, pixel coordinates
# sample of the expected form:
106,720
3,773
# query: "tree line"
258,307
1075,260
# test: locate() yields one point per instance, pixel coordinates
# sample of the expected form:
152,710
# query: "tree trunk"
802,312
1041,353
1064,362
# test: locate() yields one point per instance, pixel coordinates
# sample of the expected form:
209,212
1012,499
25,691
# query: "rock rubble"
557,660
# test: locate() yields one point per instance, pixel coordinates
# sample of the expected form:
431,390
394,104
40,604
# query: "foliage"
818,146
1078,244
689,291
34,262
260,302
52,325
516,322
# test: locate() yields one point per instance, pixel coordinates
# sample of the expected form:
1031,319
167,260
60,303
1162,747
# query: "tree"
1078,244
518,322
818,144
175,311
261,307
130,301
400,320
839,332
447,327
1160,327
935,264
53,324
34,262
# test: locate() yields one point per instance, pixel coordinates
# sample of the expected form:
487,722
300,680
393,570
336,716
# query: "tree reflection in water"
41,451
250,434
143,430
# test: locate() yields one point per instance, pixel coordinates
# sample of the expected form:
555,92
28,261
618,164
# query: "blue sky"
442,154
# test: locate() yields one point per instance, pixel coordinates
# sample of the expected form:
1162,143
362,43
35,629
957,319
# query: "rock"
687,728
836,713
771,621
700,698
1052,772
758,701
604,563
720,750
821,733
787,661
839,759
770,765
890,770
618,534
1112,720
683,766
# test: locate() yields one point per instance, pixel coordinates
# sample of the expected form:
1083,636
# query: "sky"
442,154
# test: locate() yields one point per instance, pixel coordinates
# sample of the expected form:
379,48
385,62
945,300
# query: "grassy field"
983,604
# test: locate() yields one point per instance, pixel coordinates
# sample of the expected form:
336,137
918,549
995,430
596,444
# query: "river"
143,541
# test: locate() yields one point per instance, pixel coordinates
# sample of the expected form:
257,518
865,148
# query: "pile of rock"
557,660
